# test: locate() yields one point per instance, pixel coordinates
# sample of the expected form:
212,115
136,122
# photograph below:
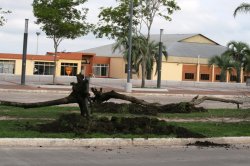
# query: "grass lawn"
217,129
213,113
43,112
19,129
55,111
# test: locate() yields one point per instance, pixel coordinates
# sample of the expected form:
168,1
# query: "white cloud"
213,18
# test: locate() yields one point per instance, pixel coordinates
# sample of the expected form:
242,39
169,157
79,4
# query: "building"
187,60
188,56
68,64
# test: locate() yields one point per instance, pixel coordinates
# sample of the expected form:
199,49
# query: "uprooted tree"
80,94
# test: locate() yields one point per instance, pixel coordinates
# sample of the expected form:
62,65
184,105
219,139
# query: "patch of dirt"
110,107
116,125
208,144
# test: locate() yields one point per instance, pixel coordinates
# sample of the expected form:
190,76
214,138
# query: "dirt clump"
116,125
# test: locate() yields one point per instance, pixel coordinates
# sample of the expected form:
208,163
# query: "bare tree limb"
196,100
65,100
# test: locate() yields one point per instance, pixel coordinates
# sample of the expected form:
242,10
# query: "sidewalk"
167,90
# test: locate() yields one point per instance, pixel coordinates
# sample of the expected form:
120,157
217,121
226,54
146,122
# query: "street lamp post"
159,61
128,87
37,34
25,39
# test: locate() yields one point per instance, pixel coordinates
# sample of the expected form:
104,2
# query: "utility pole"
25,39
128,87
159,61
37,34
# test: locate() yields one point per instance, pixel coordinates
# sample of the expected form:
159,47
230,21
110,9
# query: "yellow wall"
29,67
18,67
117,68
170,71
199,39
186,60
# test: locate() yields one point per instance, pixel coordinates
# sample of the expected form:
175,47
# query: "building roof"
175,45
184,49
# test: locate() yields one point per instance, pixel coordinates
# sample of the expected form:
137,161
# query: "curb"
57,142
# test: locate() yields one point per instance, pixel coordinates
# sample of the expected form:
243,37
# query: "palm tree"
224,62
143,54
2,18
244,7
247,61
238,51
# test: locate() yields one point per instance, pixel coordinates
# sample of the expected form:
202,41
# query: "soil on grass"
208,144
116,125
110,107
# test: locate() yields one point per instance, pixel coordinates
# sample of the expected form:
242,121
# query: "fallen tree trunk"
66,100
80,94
182,107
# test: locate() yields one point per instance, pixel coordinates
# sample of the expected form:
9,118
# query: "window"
233,78
68,69
101,70
204,76
217,77
7,66
43,68
189,76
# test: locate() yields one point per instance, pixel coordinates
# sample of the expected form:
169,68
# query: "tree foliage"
244,7
224,62
238,51
114,23
61,19
2,18
236,56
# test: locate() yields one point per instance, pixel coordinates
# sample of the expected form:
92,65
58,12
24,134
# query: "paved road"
129,156
160,98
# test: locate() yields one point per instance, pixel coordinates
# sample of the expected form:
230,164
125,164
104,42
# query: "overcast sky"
212,18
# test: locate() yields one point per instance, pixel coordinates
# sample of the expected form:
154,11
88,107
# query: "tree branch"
65,100
197,101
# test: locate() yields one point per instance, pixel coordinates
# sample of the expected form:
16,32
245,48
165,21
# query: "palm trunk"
143,73
238,75
223,76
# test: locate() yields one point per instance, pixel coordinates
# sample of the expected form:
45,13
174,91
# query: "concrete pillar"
198,73
227,76
212,73
241,75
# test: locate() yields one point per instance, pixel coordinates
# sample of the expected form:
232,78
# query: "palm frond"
244,7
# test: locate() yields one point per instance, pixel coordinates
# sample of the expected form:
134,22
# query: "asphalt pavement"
125,156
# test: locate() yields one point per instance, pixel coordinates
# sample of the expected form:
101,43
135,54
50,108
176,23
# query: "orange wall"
217,71
206,70
101,60
189,69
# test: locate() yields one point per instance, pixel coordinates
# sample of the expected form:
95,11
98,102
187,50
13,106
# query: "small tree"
2,18
61,19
